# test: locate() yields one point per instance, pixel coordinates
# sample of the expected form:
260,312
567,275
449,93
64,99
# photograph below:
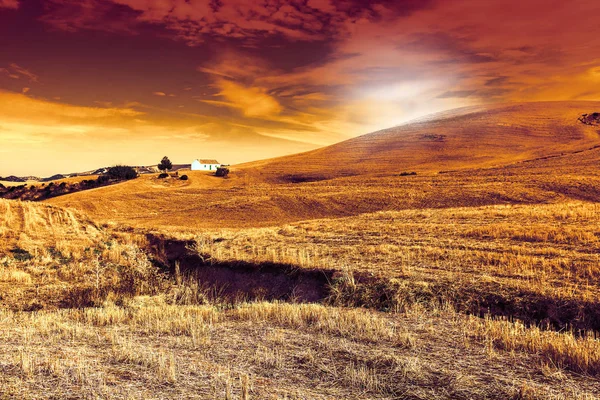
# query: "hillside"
42,249
472,137
527,153
27,226
178,336
431,247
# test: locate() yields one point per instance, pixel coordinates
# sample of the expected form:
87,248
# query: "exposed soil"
277,281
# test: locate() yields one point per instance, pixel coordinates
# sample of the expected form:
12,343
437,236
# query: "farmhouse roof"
207,161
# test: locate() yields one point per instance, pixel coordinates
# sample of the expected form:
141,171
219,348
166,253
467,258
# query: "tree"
165,164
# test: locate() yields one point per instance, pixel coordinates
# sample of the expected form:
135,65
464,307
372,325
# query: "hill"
168,281
524,153
466,138
12,178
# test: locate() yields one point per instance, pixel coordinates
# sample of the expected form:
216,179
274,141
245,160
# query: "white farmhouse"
205,165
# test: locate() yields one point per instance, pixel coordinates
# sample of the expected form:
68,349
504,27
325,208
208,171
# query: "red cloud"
194,21
24,72
330,60
15,71
13,4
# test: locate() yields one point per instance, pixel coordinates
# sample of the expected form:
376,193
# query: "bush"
163,175
184,177
121,172
103,179
222,172
21,254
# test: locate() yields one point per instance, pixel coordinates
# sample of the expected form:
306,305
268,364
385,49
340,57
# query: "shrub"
21,254
121,172
103,179
184,177
222,172
163,175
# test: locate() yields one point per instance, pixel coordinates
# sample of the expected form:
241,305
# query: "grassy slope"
53,257
150,347
507,260
472,137
563,167
29,226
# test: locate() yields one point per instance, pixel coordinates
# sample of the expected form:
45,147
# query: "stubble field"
480,282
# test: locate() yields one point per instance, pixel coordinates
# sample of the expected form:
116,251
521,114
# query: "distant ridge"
151,169
13,178
465,138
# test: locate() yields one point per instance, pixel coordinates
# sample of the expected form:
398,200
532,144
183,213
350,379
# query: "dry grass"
31,226
149,349
519,240
209,202
10,275
466,138
561,349
488,149
514,258
52,257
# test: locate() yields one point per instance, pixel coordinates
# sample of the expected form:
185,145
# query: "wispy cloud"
251,101
12,4
25,73
316,71
194,22
39,129
15,71
214,72
18,106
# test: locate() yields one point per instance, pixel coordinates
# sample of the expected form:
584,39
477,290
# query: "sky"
92,83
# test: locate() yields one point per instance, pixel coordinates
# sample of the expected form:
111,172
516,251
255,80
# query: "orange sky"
90,83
